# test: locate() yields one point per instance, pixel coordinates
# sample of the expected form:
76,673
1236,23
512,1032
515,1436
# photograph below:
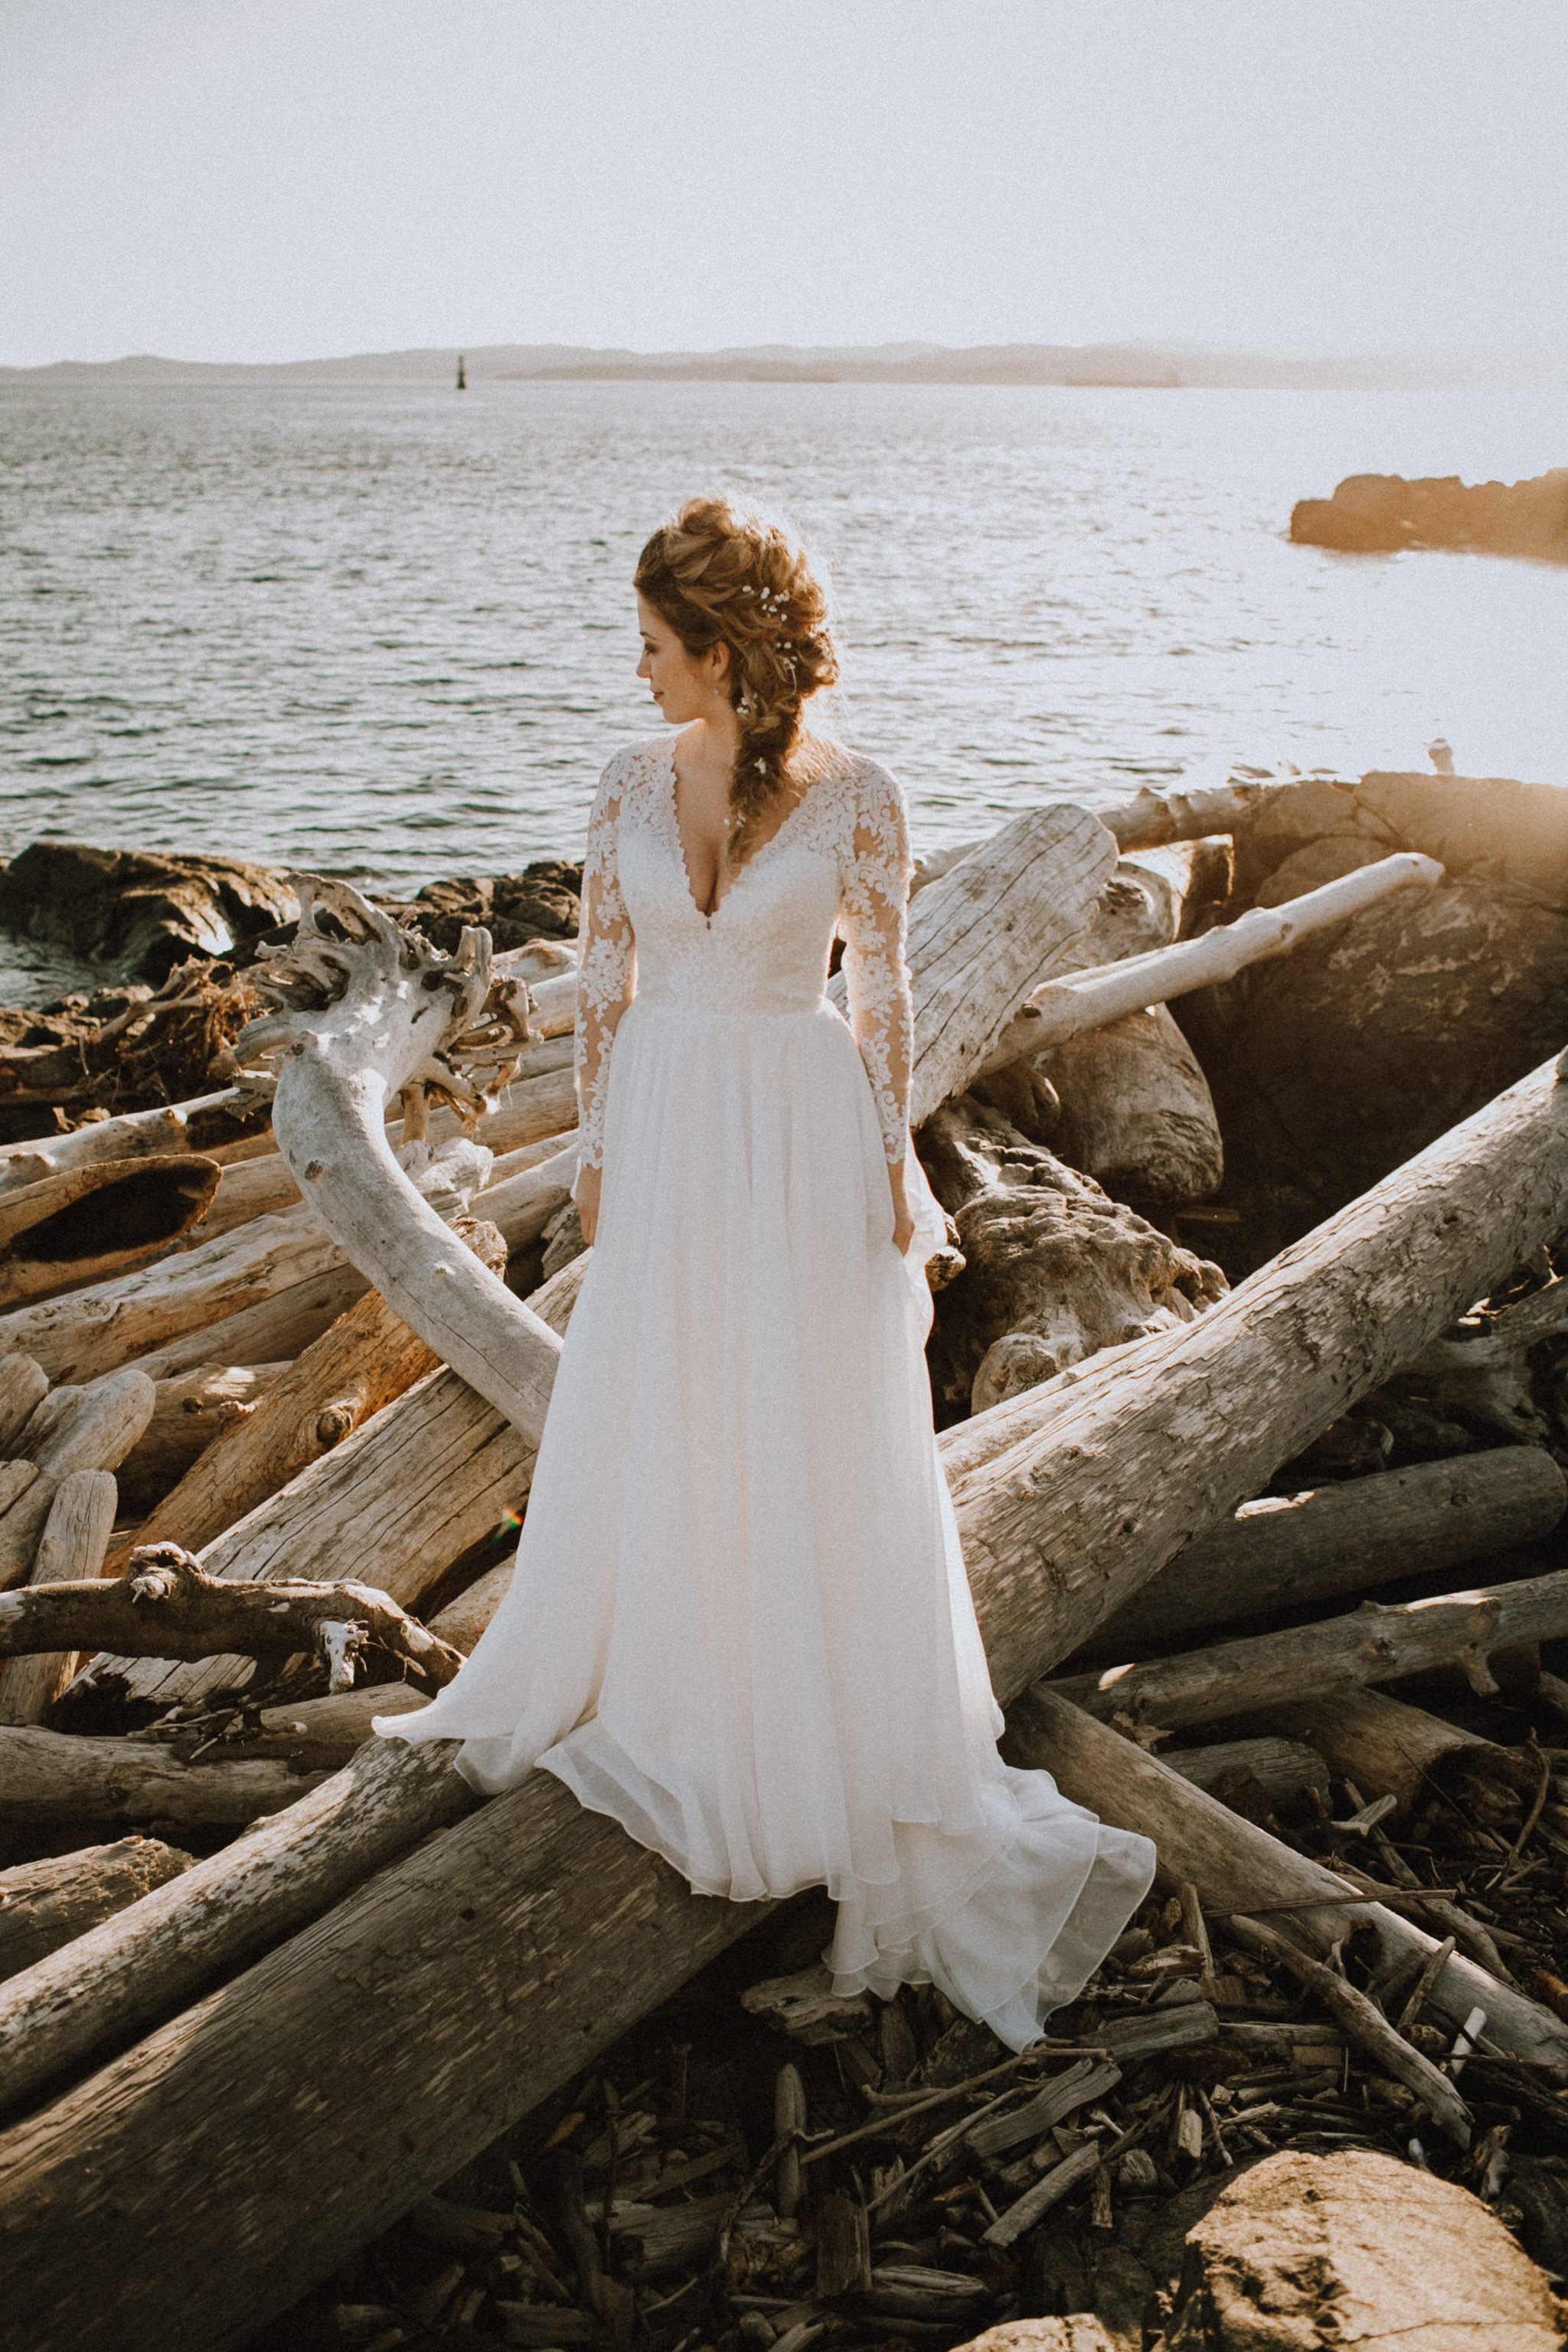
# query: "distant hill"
1152,365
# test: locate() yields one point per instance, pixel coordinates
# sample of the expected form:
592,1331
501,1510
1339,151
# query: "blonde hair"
719,576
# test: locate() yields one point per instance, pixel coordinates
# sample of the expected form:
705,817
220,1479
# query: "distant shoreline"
1091,366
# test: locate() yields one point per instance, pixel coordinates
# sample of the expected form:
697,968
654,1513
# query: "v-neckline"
673,806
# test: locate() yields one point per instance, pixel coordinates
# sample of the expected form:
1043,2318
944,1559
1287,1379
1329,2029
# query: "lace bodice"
840,861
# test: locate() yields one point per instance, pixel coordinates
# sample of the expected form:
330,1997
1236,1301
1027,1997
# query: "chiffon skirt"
740,1623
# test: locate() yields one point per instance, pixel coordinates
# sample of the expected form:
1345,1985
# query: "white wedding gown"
740,1623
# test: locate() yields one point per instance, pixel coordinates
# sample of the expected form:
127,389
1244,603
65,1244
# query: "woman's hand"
585,1192
903,1222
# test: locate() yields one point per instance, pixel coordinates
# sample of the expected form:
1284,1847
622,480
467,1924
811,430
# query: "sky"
252,179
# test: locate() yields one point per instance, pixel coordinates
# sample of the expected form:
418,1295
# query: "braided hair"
719,576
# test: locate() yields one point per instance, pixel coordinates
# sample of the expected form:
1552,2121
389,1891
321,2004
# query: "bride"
740,1623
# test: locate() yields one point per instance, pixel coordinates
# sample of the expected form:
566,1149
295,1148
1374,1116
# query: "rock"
1080,2333
1378,513
1355,2248
1489,828
541,902
141,914
1136,1112
1317,862
1055,1270
1331,1065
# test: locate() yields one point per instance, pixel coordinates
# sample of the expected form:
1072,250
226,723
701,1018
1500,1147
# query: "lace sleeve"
607,967
873,919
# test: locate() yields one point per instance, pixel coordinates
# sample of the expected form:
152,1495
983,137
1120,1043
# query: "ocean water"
387,629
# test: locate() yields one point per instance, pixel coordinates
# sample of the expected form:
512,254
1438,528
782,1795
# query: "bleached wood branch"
365,1012
1078,1001
167,1606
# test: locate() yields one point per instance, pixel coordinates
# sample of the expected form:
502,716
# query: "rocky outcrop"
540,903
141,914
1333,1064
1376,514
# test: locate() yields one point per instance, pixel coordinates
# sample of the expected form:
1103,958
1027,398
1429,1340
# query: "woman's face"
685,685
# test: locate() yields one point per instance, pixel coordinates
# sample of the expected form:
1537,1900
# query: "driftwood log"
274,1331
1054,1271
85,1429
1276,1770
166,1606
1374,1644
134,1969
75,1538
190,1413
1481,1370
78,1225
430,1476
52,1776
43,1904
1062,1527
1236,1867
23,1388
981,937
1136,1111
1077,1001
185,1126
92,1331
1283,1550
366,1359
1387,1748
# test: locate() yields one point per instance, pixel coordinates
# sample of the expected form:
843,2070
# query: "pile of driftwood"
273,1982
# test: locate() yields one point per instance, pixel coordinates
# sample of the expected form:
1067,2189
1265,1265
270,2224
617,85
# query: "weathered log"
1481,1370
274,1330
51,1776
1175,1432
1285,1549
75,1538
980,938
574,1931
1054,1271
92,1331
523,1204
139,1134
1387,1748
23,1388
428,1478
396,1019
259,1187
95,1430
147,1961
191,1413
1066,1007
1136,1114
123,1977
166,1606
43,1904
1366,2023
1150,819
1376,1643
76,1226
367,1358
1239,1869
1276,1770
